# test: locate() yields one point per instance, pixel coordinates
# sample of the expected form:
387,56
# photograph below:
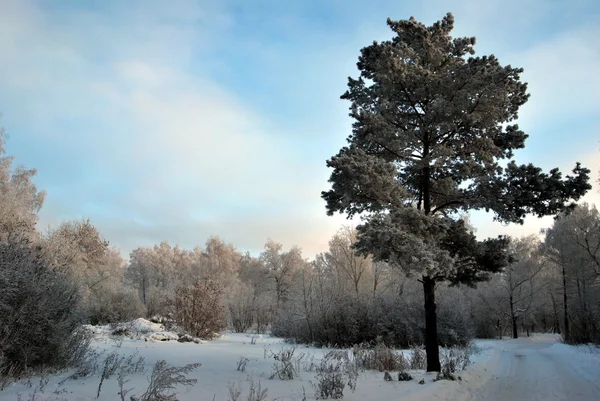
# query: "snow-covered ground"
534,368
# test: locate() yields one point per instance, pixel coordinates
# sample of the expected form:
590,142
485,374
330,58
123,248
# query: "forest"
52,281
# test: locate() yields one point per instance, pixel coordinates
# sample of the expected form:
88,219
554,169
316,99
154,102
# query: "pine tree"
433,127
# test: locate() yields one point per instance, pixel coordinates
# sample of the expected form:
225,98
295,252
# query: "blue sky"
182,119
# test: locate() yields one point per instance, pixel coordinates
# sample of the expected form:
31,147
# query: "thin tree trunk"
431,336
567,336
513,318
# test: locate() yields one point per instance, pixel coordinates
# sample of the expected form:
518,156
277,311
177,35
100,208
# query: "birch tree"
573,244
20,200
519,280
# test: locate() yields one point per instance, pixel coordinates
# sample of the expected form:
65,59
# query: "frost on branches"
433,128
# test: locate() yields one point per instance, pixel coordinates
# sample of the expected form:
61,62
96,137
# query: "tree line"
433,138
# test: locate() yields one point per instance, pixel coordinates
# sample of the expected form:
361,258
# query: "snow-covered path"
538,368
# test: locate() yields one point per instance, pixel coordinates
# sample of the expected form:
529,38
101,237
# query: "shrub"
380,357
330,381
199,309
116,305
418,359
39,312
398,322
284,366
164,379
124,365
455,359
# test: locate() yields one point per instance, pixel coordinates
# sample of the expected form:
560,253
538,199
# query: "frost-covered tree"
39,311
343,257
433,128
281,267
20,200
199,309
78,248
519,280
222,261
573,245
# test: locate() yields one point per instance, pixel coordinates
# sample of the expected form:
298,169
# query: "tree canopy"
434,135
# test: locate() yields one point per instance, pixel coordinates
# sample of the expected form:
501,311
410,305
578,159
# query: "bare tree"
573,244
345,259
519,280
281,267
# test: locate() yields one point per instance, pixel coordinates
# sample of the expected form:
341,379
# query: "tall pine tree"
433,128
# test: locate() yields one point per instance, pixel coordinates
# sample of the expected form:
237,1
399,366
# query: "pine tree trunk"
431,337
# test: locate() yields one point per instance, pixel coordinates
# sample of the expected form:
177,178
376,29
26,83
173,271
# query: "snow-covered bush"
418,359
335,371
199,309
284,367
455,359
330,381
39,313
380,357
116,305
345,320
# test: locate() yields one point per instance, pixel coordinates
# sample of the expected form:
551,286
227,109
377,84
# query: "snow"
138,329
497,371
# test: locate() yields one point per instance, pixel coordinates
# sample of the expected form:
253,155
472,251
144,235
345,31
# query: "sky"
177,120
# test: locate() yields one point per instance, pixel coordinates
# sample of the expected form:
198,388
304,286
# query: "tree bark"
513,318
431,336
567,336
555,318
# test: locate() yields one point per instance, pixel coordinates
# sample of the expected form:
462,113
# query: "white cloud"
194,159
180,156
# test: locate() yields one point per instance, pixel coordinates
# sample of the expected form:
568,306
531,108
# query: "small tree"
432,126
199,309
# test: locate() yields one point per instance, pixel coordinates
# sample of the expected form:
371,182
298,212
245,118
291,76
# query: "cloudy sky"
175,120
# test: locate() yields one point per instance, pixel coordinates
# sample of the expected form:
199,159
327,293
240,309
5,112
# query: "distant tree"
199,309
78,248
281,267
20,200
255,295
573,244
519,280
140,272
222,261
433,127
343,257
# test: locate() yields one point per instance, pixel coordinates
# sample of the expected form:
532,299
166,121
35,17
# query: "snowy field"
221,357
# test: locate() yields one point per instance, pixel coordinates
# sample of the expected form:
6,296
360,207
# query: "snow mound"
141,329
144,326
